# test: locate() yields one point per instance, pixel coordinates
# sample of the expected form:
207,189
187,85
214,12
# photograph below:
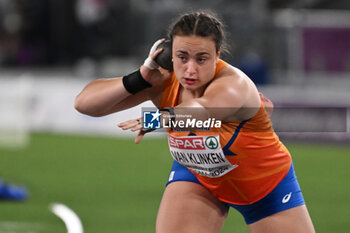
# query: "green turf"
116,186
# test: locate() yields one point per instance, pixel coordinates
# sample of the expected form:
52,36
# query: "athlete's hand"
150,62
134,125
149,70
267,103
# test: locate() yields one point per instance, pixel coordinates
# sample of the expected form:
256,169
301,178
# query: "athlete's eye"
201,60
182,58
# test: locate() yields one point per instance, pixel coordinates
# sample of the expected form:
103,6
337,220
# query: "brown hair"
204,24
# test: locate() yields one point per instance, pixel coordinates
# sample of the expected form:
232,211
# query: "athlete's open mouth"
190,81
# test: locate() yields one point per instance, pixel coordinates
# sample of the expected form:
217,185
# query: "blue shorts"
286,195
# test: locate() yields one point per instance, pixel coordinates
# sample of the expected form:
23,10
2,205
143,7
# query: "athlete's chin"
190,87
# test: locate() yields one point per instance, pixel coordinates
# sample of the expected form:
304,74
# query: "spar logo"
187,143
211,142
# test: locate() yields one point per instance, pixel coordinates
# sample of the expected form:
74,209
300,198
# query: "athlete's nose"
191,68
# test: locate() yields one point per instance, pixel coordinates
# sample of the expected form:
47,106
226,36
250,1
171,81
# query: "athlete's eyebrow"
197,54
202,53
181,51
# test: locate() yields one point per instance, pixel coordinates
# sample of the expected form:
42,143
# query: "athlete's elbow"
85,107
80,106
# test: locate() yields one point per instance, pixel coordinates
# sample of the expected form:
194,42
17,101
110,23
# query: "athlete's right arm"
104,96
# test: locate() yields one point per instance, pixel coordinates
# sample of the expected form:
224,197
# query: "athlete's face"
194,61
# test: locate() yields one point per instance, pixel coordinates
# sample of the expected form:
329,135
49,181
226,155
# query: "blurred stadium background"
296,51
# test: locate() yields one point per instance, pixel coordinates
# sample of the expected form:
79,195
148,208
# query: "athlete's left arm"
222,98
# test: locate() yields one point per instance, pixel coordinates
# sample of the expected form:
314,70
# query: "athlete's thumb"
139,137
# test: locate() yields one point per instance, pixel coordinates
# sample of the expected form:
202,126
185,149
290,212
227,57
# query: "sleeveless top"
239,162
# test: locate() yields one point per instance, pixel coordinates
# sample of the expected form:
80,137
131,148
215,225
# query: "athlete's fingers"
127,125
267,103
149,62
262,97
155,54
134,125
131,124
155,45
137,127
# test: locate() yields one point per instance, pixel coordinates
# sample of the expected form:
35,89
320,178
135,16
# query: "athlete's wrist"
146,73
134,82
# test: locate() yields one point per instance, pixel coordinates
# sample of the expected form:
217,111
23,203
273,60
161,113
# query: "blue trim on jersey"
226,149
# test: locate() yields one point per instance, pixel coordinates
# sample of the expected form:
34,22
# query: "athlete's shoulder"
230,77
234,87
227,90
225,69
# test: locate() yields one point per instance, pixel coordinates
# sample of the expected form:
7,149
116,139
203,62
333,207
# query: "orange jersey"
250,157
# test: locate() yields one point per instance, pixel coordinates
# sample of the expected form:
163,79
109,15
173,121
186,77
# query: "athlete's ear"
218,56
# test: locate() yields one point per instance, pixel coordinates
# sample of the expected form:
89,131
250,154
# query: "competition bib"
201,154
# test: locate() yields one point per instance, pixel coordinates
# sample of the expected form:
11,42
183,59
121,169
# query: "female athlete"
241,164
